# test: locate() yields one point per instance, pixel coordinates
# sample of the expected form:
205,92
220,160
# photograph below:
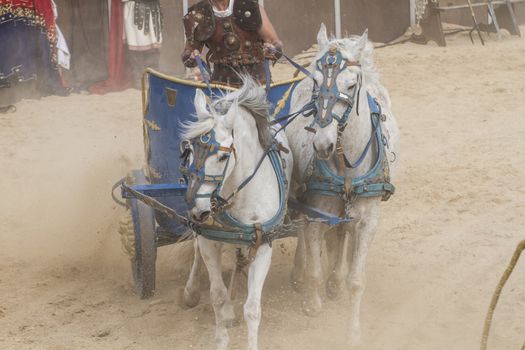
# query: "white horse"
240,125
357,78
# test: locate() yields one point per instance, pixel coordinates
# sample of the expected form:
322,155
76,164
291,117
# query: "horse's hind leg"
314,272
252,308
356,279
192,292
222,306
298,272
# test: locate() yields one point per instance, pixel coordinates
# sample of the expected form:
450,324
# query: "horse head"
209,156
339,80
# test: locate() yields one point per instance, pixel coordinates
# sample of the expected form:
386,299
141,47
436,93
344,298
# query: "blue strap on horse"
362,157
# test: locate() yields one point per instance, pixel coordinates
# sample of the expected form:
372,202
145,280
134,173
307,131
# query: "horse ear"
200,103
361,43
322,38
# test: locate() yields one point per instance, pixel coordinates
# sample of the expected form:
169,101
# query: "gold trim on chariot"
202,85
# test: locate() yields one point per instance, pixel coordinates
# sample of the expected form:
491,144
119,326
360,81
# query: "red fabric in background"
42,8
117,78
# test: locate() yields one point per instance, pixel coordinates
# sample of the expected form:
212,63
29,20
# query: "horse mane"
251,96
205,121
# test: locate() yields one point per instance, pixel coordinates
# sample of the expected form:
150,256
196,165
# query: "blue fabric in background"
25,53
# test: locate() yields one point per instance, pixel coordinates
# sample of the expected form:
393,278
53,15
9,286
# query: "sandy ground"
443,242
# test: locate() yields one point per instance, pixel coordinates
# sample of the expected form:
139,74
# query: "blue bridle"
195,175
326,96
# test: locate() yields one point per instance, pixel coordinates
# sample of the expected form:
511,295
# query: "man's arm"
193,25
269,34
267,31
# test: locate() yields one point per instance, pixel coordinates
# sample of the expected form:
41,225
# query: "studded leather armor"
234,45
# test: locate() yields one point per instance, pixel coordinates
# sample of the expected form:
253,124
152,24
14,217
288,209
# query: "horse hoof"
312,308
354,338
191,299
334,288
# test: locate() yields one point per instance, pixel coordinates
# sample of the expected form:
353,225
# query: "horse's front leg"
364,233
252,308
299,267
192,292
339,241
314,274
222,306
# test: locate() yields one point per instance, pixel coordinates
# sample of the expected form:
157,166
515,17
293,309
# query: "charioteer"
238,35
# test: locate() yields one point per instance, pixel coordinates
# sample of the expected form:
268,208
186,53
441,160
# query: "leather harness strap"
258,242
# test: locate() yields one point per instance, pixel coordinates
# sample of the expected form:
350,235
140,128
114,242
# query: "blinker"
204,146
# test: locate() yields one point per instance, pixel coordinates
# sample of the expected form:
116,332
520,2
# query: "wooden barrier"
501,12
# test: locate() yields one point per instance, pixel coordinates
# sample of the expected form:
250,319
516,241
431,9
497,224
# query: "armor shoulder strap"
247,15
199,22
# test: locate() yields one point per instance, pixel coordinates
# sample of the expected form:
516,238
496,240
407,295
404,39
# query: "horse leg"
224,315
252,308
356,279
337,276
299,264
314,274
192,292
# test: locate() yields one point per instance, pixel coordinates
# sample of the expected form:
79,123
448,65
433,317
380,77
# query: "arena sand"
443,242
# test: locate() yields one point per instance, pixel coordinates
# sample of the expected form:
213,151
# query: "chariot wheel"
143,246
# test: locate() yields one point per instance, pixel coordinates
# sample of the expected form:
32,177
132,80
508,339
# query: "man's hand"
273,51
188,58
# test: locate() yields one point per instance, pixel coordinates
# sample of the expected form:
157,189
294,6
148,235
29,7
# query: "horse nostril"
202,216
331,148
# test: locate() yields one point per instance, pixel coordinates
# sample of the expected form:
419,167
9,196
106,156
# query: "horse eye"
224,157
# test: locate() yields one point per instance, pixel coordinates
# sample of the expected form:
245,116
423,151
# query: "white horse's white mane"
250,96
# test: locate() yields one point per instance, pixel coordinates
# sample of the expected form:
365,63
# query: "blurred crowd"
54,47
